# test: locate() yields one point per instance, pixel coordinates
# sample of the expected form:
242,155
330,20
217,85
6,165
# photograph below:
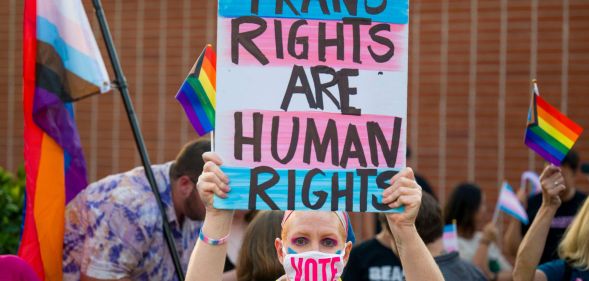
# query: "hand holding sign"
212,181
405,192
552,184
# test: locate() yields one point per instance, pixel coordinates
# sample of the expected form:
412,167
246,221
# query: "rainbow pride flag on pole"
510,204
549,132
61,64
197,93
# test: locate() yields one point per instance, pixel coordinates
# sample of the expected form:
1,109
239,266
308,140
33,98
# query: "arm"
530,250
513,237
412,249
481,256
406,192
207,261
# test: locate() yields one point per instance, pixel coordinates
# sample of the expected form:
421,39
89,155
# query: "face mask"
313,266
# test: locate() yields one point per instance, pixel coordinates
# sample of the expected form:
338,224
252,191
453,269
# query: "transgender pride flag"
450,237
61,64
510,204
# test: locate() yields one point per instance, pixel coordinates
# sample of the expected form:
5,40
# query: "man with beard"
114,227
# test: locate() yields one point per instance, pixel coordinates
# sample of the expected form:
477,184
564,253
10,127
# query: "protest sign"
312,102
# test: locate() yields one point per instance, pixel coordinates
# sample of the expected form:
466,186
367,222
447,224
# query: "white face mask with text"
313,266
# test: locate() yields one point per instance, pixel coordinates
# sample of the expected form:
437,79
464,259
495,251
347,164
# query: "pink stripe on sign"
370,141
266,42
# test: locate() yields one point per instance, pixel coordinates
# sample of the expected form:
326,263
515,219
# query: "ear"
184,186
348,249
279,252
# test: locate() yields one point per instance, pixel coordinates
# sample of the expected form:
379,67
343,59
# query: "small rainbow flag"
197,93
549,132
450,237
509,203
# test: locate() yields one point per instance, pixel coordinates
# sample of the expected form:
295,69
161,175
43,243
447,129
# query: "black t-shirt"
563,218
372,261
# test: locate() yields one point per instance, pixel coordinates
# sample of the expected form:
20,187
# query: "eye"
300,241
328,242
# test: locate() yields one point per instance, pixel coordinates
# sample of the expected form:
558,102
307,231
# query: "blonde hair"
574,247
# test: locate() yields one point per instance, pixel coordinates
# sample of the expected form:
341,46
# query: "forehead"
321,222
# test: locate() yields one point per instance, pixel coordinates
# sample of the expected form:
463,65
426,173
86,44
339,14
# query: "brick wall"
470,67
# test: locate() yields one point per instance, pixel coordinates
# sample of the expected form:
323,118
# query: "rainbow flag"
197,93
510,204
549,132
450,238
61,64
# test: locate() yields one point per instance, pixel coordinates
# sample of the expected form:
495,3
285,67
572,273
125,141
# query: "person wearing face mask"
310,239
308,244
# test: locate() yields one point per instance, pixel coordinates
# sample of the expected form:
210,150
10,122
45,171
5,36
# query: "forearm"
418,263
530,250
481,258
513,237
207,261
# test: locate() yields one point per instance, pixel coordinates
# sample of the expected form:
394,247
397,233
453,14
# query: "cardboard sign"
311,102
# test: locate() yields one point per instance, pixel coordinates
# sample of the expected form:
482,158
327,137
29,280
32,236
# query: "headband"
341,215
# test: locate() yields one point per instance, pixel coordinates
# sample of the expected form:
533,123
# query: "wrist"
485,241
548,207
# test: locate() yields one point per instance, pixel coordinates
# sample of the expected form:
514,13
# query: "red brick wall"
469,75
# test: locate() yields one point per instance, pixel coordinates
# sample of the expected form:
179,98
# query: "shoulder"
454,268
554,270
123,198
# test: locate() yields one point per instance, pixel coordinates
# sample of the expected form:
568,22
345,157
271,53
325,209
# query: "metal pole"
122,85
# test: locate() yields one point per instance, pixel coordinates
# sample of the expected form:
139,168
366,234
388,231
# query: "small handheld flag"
197,93
450,237
549,132
509,203
534,180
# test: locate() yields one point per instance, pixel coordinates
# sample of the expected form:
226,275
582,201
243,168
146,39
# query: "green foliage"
12,191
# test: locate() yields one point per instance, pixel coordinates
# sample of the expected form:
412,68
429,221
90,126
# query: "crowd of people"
114,232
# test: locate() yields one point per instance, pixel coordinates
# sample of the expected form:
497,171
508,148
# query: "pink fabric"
14,268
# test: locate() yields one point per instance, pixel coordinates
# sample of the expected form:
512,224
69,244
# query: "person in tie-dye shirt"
114,227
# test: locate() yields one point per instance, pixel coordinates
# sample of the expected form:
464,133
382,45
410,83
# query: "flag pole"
122,86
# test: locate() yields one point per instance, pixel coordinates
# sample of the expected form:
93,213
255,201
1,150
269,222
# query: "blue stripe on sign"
396,11
240,186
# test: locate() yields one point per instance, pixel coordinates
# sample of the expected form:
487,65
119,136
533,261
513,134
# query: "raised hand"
490,233
212,181
553,184
404,191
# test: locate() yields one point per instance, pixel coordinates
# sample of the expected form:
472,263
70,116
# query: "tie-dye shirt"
114,229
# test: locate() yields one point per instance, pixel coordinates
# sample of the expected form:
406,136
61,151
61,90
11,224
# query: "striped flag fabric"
510,204
61,64
197,93
549,132
534,181
450,237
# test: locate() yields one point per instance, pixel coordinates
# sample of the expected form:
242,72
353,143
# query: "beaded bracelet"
212,241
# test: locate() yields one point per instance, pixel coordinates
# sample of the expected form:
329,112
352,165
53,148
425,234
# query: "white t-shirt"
468,248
